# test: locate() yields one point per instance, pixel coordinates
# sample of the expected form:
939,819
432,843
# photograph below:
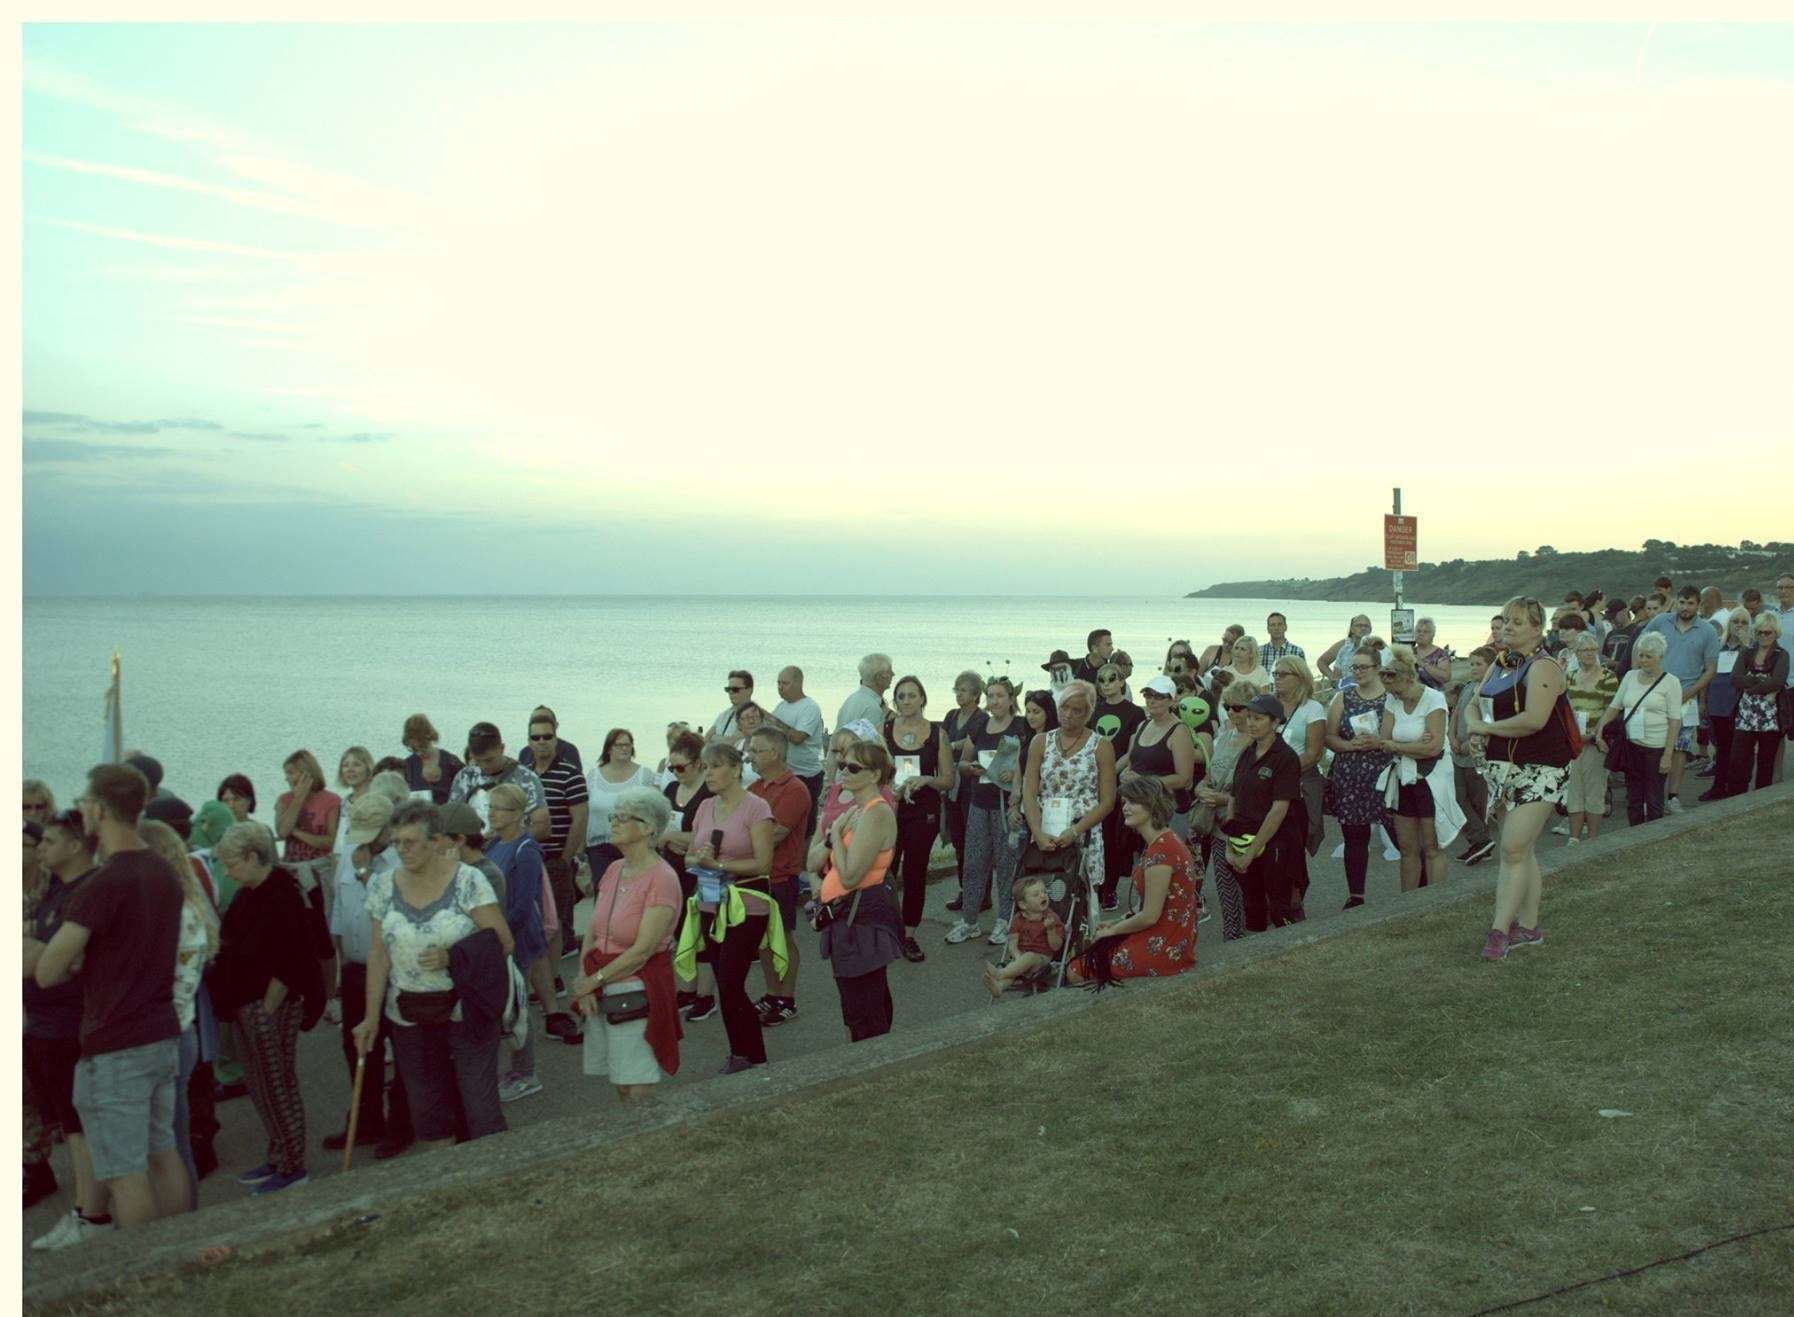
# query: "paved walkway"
948,983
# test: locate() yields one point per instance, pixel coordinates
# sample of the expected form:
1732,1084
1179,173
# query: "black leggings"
956,832
1747,746
731,958
917,827
866,1005
1357,856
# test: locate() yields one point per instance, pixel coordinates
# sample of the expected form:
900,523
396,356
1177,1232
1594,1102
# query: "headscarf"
211,822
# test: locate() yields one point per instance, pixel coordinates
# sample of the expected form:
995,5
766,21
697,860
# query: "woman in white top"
1305,732
1243,664
197,947
1418,785
1649,702
615,772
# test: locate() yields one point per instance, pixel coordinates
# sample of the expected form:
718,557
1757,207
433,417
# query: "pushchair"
1072,897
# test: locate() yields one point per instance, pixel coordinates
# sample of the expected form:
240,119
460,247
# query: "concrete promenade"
939,1004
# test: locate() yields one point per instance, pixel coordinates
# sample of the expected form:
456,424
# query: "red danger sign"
1400,544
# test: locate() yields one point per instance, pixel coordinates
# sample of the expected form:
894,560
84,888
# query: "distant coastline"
1544,573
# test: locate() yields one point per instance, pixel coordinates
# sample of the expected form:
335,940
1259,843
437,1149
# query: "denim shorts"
126,1101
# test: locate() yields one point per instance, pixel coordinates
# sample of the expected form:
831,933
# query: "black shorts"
785,893
50,1071
1414,801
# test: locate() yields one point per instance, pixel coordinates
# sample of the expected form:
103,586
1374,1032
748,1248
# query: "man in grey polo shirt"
867,703
1692,659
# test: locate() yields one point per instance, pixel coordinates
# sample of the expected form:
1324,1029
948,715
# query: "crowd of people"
423,905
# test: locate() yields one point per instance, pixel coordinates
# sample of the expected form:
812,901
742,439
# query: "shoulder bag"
1617,740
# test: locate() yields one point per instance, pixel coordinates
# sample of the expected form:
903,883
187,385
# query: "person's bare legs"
90,1194
998,980
635,1092
1407,840
1518,884
174,1191
776,986
1578,822
1678,762
133,1200
1438,863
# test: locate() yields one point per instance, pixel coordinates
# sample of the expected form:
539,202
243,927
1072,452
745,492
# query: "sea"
213,686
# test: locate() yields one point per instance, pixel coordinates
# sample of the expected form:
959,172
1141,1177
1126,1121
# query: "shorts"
126,1101
620,1051
1686,739
785,894
50,1070
1414,800
1586,790
1525,784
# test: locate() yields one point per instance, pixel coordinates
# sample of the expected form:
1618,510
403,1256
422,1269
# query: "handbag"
1618,741
624,1007
1062,860
427,1007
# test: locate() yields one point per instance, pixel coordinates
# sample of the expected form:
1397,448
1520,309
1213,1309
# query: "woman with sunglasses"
1117,720
1354,719
684,793
911,737
733,833
628,948
861,930
1420,791
1224,756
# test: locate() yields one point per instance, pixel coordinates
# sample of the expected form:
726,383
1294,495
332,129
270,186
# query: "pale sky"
899,307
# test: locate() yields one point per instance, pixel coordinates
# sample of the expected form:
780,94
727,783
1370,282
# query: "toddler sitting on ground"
1035,936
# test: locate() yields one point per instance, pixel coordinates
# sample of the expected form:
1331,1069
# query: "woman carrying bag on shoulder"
862,930
1648,708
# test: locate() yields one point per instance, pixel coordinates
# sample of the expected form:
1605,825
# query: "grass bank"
1381,1123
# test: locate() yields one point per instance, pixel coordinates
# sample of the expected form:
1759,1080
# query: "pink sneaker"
1524,937
1495,948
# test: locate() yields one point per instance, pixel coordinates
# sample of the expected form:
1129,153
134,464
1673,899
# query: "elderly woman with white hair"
627,988
1589,686
1069,787
1433,658
1648,707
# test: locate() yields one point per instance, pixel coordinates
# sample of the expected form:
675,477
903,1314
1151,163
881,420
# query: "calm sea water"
215,686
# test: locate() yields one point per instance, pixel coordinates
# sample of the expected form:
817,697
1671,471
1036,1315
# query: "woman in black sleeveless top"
1529,753
911,735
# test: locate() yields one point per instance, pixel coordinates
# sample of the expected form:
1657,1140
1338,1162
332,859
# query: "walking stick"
361,1065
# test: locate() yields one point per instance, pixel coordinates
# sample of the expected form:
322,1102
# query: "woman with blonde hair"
1419,791
1242,663
197,948
1528,752
1305,732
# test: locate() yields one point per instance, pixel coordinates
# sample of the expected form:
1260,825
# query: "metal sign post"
1401,549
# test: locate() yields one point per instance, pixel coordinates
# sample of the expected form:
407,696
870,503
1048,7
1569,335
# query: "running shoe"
701,1009
778,1013
1524,937
1495,945
266,1171
519,1086
999,935
963,932
280,1182
1477,854
72,1229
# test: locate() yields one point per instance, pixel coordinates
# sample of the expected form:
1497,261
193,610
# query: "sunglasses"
542,736
733,690
1233,708
1387,673
676,768
1364,667
848,766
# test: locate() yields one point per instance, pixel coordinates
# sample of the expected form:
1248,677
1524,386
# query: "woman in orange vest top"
861,927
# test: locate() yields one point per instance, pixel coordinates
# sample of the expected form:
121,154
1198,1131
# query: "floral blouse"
407,931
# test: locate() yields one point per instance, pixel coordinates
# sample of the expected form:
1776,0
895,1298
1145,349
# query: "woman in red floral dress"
1160,939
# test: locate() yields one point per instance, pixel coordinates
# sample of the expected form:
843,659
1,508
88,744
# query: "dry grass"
1378,1124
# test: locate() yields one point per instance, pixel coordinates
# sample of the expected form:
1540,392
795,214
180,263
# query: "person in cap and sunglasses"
1265,821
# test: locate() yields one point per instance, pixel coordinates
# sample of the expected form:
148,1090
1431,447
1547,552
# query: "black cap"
168,809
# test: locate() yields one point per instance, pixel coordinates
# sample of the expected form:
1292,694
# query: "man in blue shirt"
1693,659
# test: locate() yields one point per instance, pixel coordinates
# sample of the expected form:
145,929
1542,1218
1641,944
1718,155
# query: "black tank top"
1156,760
1550,745
926,798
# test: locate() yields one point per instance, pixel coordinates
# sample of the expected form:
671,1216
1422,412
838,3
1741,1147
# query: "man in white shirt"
798,718
740,690
867,704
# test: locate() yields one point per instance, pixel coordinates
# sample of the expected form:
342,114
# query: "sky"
893,307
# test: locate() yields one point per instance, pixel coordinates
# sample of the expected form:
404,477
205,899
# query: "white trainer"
963,932
999,935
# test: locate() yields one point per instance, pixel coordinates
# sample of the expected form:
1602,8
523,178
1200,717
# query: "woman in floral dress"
1077,766
1160,938
1353,721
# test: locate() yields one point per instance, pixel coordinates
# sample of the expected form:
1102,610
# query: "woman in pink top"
627,948
305,816
732,831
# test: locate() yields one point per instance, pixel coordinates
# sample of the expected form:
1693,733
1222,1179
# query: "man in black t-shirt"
1266,806
1098,646
122,927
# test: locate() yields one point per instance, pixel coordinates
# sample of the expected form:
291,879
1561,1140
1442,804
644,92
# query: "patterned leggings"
1233,904
990,860
269,1047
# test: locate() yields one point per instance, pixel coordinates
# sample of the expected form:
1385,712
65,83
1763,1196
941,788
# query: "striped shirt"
1269,654
564,786
1591,702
